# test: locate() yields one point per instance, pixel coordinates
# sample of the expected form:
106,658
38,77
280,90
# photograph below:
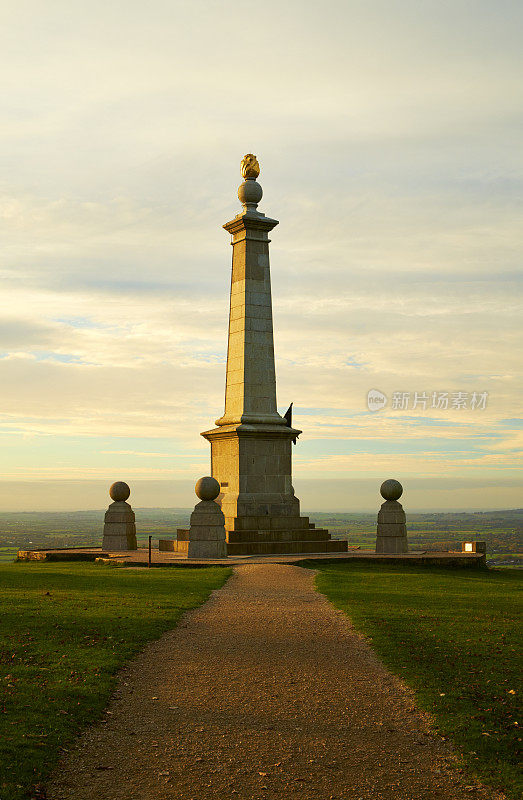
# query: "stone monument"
119,527
251,445
207,531
391,535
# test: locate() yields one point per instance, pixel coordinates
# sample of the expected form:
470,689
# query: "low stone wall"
59,555
448,560
179,557
31,555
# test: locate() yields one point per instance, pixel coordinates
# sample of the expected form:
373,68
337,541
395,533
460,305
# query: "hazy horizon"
320,496
389,139
304,510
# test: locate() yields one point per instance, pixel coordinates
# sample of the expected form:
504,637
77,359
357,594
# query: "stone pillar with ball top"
207,531
119,527
251,446
391,535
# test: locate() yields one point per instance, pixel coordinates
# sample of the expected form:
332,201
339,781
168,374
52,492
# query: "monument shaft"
250,394
251,445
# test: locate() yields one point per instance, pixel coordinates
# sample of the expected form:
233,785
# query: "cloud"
388,135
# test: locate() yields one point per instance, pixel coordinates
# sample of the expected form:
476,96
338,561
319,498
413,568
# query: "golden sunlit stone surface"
250,167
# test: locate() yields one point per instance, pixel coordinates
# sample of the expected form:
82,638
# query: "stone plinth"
119,526
391,534
252,463
207,531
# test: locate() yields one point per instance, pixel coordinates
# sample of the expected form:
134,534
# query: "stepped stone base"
299,536
286,547
278,535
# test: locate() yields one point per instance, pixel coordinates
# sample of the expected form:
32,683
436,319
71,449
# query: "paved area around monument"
266,691
160,558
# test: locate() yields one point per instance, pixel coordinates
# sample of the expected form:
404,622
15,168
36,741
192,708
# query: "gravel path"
266,691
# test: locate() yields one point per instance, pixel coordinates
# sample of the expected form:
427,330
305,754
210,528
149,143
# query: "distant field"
455,637
64,631
79,528
502,530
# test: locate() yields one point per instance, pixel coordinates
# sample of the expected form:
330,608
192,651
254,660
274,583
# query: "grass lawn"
64,631
8,553
452,635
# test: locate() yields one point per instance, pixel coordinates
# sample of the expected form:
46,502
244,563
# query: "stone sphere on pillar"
207,488
250,192
391,489
119,491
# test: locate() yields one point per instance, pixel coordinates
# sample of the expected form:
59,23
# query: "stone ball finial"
391,489
207,488
119,491
250,193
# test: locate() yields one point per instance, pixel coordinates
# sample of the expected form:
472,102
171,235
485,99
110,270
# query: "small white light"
468,547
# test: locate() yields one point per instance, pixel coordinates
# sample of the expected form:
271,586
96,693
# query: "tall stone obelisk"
251,445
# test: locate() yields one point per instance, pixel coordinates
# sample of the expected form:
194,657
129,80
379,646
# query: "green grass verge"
452,635
65,629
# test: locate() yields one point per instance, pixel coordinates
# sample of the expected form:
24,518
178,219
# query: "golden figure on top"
250,167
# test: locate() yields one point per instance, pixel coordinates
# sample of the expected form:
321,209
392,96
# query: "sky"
389,137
